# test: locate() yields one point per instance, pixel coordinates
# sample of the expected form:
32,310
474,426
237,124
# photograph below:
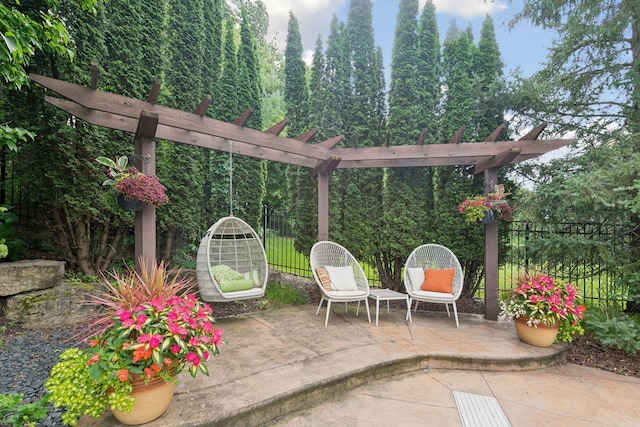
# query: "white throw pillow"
416,277
342,278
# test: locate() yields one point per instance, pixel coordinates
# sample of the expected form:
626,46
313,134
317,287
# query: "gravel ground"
27,355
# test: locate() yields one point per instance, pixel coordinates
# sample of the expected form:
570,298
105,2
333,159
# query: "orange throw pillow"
438,280
323,276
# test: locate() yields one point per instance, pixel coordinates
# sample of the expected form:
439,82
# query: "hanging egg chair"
231,262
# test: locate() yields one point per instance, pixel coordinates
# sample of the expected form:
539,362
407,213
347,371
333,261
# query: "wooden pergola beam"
423,136
457,137
307,136
278,127
332,142
327,166
202,108
495,134
244,117
154,92
535,132
497,161
179,135
441,154
94,75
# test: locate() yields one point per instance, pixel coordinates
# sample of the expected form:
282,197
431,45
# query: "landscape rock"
29,275
61,305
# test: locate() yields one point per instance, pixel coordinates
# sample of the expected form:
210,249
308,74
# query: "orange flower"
142,354
123,375
93,359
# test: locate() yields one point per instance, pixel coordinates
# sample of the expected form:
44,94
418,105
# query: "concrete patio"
285,368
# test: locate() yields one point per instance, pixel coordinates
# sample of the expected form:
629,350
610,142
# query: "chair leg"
455,313
448,314
366,302
358,308
319,305
416,307
326,319
346,308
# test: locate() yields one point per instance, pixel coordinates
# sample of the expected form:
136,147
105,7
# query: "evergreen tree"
452,184
361,221
303,185
85,225
249,174
404,206
180,167
220,162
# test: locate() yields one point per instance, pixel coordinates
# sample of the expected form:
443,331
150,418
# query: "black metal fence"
596,282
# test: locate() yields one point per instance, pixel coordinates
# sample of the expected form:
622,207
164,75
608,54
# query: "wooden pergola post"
145,161
491,255
323,206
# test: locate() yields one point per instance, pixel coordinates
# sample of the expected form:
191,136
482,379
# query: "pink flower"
175,349
193,358
155,340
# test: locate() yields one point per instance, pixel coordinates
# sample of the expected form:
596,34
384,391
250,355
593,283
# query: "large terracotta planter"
152,400
541,336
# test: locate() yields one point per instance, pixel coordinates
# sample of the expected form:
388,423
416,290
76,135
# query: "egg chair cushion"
236,285
223,273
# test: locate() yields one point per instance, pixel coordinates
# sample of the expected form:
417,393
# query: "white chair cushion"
436,296
342,278
416,277
346,294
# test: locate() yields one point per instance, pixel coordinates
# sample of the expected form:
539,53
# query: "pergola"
148,120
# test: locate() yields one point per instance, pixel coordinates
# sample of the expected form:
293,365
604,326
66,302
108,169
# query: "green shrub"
16,414
614,328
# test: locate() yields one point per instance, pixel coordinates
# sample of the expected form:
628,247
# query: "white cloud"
468,9
314,18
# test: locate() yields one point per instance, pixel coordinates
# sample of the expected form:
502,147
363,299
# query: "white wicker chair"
331,254
435,257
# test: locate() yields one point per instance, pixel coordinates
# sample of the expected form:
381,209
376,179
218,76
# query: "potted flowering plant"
487,207
131,184
541,302
151,329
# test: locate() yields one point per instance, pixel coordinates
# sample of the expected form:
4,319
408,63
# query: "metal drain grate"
480,411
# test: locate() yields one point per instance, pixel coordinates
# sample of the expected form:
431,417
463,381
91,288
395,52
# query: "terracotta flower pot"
152,400
541,336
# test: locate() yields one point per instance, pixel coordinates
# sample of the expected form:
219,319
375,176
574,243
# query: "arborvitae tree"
84,224
212,54
453,184
220,190
303,185
335,95
429,77
317,84
429,97
180,167
361,220
404,206
249,174
489,84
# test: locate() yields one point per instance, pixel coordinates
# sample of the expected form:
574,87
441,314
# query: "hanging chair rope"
230,177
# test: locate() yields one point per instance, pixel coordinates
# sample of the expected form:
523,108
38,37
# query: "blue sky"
523,48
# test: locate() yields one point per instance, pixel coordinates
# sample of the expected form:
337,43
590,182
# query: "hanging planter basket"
489,217
129,204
